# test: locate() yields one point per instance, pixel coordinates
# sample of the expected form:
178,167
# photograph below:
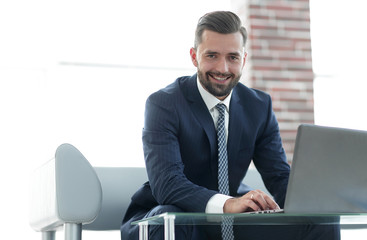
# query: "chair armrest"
66,189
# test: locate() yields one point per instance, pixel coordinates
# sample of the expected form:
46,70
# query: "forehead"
222,43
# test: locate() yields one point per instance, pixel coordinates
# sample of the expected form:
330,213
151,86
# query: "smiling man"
219,59
201,134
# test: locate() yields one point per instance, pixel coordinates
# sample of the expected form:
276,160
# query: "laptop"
329,171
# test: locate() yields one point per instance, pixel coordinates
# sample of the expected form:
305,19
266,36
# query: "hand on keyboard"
255,200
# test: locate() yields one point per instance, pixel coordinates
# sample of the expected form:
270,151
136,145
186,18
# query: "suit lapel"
235,127
202,114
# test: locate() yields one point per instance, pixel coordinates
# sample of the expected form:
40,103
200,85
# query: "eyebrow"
235,54
231,53
211,52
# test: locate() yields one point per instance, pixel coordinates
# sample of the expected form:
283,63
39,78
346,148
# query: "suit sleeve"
162,155
270,159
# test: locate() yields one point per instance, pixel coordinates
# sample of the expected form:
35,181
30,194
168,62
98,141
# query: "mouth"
221,78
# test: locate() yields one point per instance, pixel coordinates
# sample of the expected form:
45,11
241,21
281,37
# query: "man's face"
219,59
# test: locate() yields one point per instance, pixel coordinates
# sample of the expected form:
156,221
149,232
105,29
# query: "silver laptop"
329,171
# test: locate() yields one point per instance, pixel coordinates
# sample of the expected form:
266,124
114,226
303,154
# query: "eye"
234,58
211,56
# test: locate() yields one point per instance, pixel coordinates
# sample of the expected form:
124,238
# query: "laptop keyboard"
267,211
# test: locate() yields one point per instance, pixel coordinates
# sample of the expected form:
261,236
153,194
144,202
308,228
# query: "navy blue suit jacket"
180,147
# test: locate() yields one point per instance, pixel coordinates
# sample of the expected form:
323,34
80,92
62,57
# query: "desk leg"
169,227
143,231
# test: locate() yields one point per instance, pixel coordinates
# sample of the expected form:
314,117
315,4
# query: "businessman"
186,126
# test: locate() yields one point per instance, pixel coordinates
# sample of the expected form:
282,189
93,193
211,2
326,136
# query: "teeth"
219,78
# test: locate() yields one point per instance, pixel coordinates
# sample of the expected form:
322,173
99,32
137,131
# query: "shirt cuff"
216,203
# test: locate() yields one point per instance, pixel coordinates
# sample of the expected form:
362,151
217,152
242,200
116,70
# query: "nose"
222,65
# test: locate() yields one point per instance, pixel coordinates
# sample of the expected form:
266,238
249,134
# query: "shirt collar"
211,101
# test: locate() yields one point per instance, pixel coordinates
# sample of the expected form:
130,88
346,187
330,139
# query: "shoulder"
164,107
250,95
173,91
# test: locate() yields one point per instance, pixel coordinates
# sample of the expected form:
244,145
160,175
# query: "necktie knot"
221,108
220,122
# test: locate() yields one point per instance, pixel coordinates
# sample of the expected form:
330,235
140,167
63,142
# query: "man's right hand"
255,200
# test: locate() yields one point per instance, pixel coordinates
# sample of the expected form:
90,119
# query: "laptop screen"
329,171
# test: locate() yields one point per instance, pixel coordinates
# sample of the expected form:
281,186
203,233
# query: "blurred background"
80,72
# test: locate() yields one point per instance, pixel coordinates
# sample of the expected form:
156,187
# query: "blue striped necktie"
223,185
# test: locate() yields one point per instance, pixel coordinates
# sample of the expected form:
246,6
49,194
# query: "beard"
218,90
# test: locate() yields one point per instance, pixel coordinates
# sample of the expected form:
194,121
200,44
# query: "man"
181,146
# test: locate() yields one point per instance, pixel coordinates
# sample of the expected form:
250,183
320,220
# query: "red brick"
280,60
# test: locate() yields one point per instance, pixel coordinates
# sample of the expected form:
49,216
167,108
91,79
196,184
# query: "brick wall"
279,59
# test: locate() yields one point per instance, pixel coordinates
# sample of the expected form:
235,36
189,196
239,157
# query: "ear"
244,59
193,57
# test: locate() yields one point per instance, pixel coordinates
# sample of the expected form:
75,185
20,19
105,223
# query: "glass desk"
169,220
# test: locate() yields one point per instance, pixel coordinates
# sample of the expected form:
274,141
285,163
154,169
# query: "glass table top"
358,220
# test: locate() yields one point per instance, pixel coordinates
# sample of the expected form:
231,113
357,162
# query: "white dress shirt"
216,203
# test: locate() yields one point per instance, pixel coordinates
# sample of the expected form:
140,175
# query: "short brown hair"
224,22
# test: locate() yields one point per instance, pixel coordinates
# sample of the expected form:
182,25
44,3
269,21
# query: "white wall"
339,46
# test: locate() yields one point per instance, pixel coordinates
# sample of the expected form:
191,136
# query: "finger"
257,197
270,203
252,206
